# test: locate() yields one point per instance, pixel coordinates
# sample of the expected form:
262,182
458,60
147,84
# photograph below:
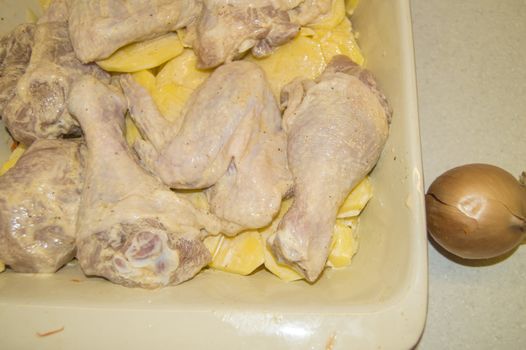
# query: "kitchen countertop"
471,71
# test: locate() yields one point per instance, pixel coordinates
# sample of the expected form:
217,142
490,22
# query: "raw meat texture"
230,141
220,30
310,11
15,52
336,127
39,202
132,229
38,108
227,29
249,194
100,27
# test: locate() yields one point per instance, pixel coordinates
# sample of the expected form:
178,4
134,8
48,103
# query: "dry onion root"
477,211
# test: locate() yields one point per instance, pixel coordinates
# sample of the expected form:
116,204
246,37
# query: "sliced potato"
171,99
339,41
146,79
44,3
132,133
302,57
350,6
143,55
13,158
167,90
344,245
241,254
182,70
357,199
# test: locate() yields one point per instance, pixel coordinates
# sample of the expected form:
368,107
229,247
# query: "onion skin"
476,211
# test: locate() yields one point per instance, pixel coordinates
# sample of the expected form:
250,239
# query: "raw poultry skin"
39,202
132,229
38,108
219,30
249,194
229,28
100,27
310,11
230,141
15,52
337,127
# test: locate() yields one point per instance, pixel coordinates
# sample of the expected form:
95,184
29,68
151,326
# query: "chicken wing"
132,229
38,108
39,202
230,138
337,127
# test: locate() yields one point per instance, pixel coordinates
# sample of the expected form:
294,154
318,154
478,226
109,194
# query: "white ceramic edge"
402,323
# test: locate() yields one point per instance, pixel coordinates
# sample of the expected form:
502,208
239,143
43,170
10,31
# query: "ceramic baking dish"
377,303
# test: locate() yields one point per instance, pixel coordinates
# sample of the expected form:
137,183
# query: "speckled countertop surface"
471,71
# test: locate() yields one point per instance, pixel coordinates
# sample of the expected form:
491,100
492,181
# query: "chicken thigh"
38,108
132,229
231,139
336,127
39,202
15,52
227,29
100,27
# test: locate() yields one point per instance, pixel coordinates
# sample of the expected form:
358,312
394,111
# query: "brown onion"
477,211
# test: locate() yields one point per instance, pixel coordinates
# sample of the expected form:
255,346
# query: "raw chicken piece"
222,29
337,127
310,11
231,139
15,52
227,29
38,109
39,202
132,230
249,194
219,120
100,27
